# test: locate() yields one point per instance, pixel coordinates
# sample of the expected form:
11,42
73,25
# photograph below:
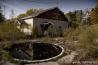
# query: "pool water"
34,51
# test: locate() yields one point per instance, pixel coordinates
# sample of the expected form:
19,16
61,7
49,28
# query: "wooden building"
50,22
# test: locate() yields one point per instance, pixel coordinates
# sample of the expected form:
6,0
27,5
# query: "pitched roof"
42,13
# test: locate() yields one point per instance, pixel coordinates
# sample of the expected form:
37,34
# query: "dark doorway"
44,26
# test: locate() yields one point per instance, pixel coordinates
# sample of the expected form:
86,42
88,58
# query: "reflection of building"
51,21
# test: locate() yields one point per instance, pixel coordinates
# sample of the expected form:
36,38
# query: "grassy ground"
81,39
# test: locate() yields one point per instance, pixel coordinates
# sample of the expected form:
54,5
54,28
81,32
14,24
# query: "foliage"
74,24
87,41
21,15
79,15
9,31
6,55
1,17
71,34
86,37
35,33
94,15
50,31
3,54
30,12
75,18
72,16
67,33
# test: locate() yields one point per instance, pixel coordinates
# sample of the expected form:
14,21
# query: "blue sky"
21,6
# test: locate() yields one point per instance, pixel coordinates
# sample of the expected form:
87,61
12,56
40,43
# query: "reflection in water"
35,51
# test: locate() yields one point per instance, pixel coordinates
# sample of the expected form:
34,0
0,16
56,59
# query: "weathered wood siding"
55,23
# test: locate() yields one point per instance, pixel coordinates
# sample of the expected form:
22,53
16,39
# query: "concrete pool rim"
43,60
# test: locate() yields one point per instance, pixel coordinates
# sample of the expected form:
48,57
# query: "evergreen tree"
1,17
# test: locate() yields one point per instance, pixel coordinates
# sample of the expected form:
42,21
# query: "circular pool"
35,52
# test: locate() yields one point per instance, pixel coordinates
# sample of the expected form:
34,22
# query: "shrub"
87,42
86,35
9,31
35,33
71,34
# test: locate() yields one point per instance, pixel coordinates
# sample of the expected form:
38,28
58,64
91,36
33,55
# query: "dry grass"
86,35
